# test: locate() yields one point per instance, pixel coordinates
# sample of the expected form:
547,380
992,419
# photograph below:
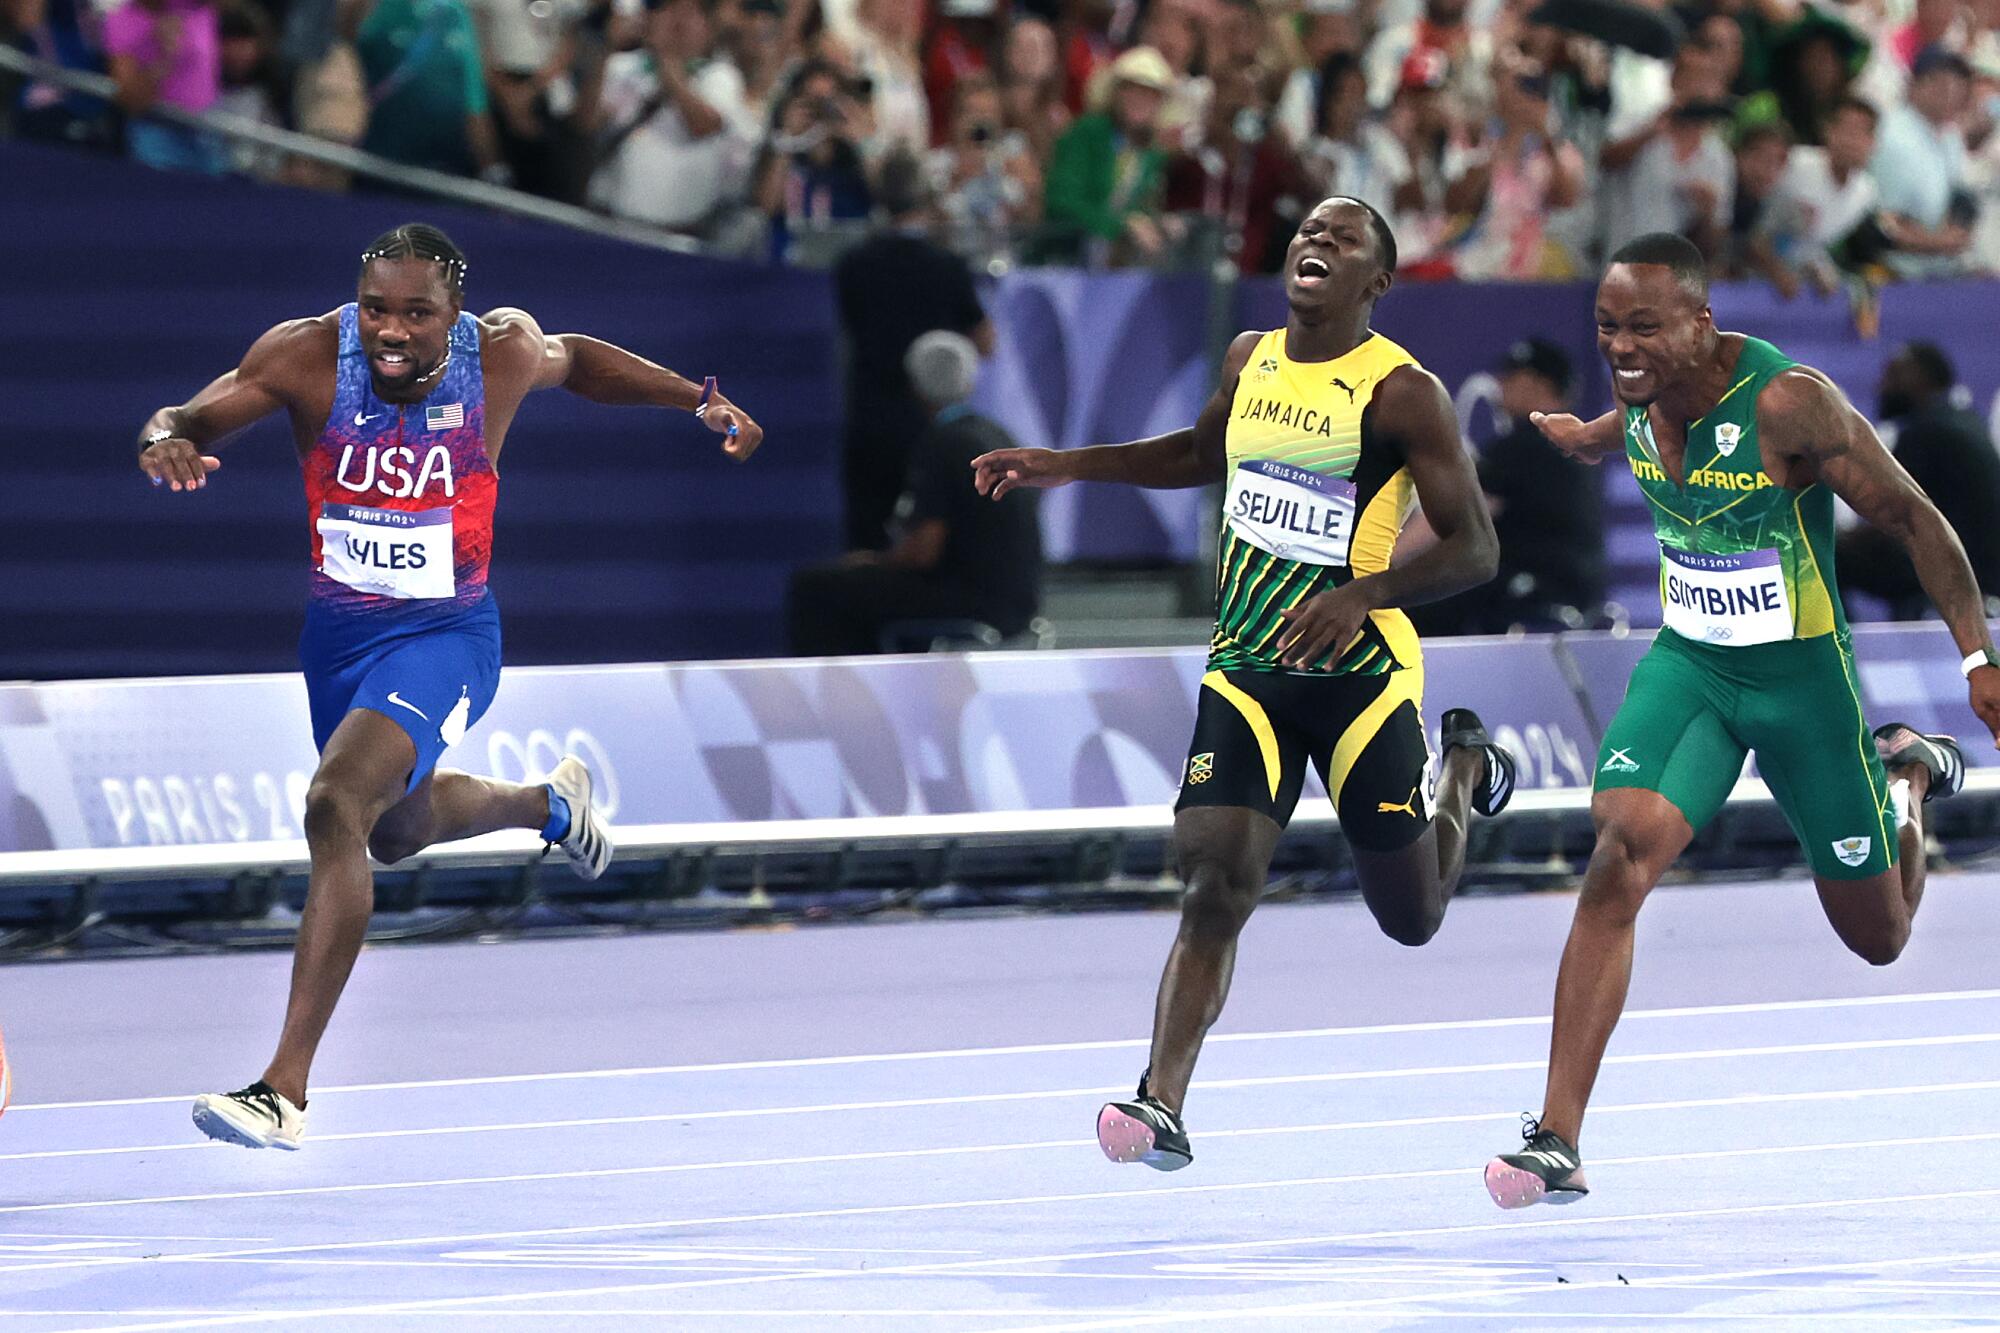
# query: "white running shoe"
257,1117
587,845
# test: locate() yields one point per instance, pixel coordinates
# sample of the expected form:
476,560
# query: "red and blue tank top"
400,495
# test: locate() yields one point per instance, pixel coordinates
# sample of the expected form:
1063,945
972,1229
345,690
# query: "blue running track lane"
889,1127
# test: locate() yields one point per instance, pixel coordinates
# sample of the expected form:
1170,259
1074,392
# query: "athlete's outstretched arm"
1412,409
1585,441
244,396
1193,457
605,373
1806,417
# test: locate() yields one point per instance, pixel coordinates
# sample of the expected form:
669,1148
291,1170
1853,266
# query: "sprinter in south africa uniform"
1740,452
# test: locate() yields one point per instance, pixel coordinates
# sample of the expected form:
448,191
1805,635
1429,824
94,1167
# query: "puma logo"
1408,807
1340,383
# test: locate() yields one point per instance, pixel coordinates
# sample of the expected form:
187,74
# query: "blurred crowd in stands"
1506,139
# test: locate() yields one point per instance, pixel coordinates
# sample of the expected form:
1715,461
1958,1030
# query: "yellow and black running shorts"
1255,732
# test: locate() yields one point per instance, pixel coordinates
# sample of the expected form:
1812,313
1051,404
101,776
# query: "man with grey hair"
956,556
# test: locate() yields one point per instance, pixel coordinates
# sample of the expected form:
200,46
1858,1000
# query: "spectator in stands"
1467,53
1515,180
888,61
1107,174
1349,152
957,556
1242,177
1089,34
1824,195
812,173
677,134
1431,205
985,177
761,49
1947,450
1031,87
427,85
1675,172
1170,30
253,86
1763,152
1813,72
1547,511
329,90
1722,36
167,52
66,33
1330,29
530,47
891,288
1920,168
1238,36
964,37
1933,24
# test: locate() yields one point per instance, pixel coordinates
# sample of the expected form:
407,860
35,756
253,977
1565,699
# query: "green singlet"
1755,654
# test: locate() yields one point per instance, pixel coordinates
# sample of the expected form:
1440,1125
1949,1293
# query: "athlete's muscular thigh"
364,767
1224,854
1639,834
1232,843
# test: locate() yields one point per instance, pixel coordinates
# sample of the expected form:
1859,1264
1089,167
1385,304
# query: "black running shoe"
1546,1170
1143,1130
1900,743
1463,729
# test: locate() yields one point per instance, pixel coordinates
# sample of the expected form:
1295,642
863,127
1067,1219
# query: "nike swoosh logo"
360,420
401,702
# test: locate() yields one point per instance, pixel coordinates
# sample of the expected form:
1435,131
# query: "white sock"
1899,795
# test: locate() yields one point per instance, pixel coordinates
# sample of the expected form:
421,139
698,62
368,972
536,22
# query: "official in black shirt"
959,557
1547,511
1949,453
892,287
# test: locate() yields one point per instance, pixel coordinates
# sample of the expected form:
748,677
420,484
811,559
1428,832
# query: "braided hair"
420,240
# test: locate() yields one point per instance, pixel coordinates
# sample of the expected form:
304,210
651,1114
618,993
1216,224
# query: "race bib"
1291,511
388,552
1730,600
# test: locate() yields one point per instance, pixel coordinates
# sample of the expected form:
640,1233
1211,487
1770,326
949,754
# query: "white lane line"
1401,1122
902,1312
1335,1311
961,1150
110,1235
1510,1224
1136,1043
899,1312
975,1099
1566,1292
882,1210
1125,1319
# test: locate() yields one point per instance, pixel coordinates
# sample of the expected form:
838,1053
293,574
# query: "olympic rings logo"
529,759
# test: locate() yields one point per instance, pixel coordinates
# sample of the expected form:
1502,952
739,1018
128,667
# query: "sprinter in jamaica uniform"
1740,452
1327,434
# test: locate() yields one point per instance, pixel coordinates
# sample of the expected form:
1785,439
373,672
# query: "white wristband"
1974,661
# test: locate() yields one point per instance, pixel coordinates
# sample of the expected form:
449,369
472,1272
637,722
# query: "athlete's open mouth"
1311,270
393,361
